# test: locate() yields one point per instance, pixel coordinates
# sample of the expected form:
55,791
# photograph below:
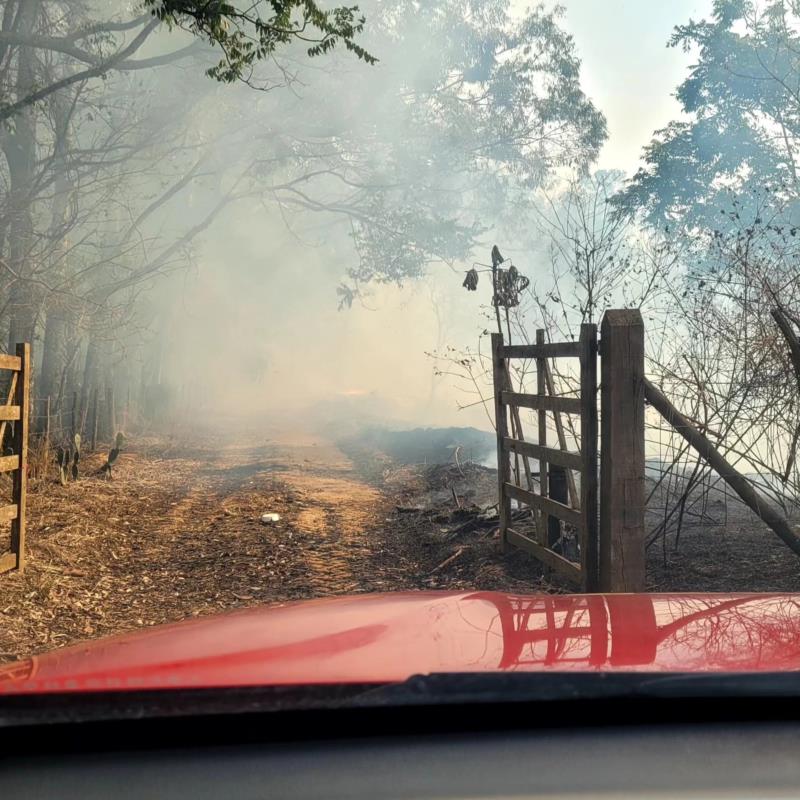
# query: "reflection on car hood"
389,637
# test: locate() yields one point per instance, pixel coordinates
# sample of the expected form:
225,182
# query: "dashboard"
719,760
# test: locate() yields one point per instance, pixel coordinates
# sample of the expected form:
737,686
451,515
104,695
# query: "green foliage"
253,31
743,100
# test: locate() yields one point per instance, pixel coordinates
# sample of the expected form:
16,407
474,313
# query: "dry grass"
167,538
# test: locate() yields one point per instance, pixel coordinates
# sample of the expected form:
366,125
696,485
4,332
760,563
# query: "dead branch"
762,508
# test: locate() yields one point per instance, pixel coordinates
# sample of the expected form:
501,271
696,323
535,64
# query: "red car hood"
385,638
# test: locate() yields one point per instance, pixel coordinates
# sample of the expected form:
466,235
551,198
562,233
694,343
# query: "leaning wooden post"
622,540
501,421
21,448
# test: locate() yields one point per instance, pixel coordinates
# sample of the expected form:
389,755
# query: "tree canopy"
253,31
468,112
742,100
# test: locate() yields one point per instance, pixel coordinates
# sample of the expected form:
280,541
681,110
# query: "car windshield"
428,336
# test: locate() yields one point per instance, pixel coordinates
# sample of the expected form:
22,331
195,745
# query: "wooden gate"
579,512
17,410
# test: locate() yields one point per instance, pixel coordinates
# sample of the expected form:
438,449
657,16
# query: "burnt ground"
177,534
723,553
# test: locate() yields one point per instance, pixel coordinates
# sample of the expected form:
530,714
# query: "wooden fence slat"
590,565
564,458
542,350
9,463
9,512
9,413
501,417
545,555
10,362
538,402
545,504
20,489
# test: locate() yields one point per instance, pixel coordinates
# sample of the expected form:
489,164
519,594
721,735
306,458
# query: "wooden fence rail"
16,410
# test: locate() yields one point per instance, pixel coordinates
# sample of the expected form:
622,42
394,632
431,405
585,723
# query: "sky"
628,70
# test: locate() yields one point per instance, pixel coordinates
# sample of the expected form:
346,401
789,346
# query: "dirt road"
177,533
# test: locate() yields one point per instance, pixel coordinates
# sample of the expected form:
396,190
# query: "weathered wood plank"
8,561
10,362
590,565
622,532
9,463
564,458
553,560
538,402
501,417
542,350
9,413
9,512
20,489
545,504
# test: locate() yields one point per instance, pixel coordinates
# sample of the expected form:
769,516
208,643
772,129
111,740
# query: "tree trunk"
19,146
54,352
91,371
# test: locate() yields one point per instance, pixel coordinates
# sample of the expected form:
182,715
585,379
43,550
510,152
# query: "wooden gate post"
501,420
622,540
590,534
